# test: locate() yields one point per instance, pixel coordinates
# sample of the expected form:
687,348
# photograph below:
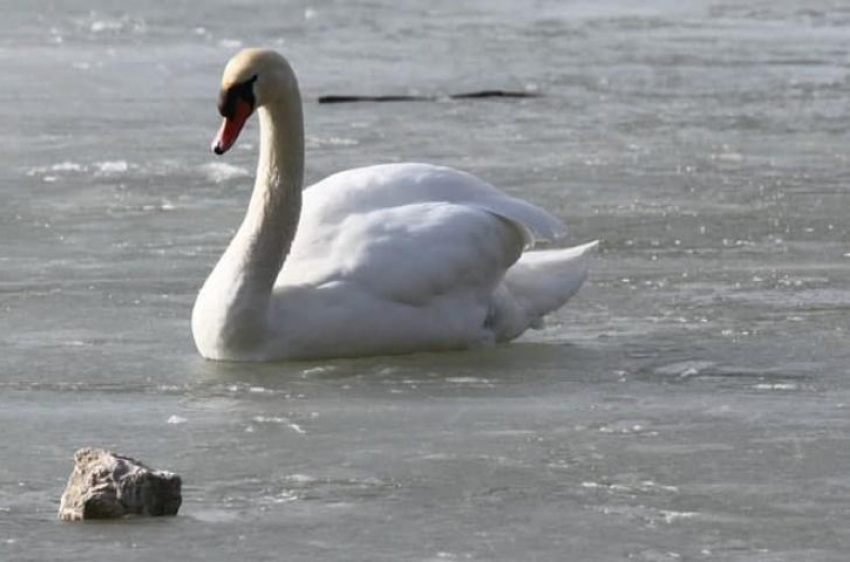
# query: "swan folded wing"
394,185
411,231
410,254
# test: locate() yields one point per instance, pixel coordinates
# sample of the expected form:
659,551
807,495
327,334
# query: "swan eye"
244,91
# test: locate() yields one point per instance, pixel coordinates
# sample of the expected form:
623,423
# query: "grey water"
691,403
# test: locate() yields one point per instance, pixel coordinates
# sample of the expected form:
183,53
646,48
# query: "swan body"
384,259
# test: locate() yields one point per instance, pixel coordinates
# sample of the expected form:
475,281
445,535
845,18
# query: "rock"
104,485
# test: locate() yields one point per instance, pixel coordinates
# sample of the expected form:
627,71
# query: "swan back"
365,189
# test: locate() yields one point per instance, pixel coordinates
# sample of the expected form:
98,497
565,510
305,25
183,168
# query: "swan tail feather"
539,283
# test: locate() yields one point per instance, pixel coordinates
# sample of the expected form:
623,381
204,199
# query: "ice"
689,403
220,172
111,167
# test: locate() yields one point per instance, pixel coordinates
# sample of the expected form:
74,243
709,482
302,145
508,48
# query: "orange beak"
231,127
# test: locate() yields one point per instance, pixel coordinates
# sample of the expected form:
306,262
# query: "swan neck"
280,168
231,312
272,218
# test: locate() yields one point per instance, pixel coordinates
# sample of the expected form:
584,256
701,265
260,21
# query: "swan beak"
231,127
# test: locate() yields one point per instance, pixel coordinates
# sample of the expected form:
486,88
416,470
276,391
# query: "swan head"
252,78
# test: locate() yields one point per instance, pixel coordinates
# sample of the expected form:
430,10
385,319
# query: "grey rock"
104,485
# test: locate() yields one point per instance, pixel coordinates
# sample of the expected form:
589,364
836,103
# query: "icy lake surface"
692,403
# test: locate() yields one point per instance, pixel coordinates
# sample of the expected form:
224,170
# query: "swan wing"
393,280
391,185
408,253
411,224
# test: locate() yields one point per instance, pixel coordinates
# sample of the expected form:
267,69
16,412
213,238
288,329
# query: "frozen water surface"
692,403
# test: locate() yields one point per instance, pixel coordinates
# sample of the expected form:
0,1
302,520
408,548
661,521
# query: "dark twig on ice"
353,99
479,94
495,94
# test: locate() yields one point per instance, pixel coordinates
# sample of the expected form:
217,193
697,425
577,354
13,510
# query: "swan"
380,260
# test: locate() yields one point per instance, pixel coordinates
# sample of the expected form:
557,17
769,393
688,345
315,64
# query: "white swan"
385,259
